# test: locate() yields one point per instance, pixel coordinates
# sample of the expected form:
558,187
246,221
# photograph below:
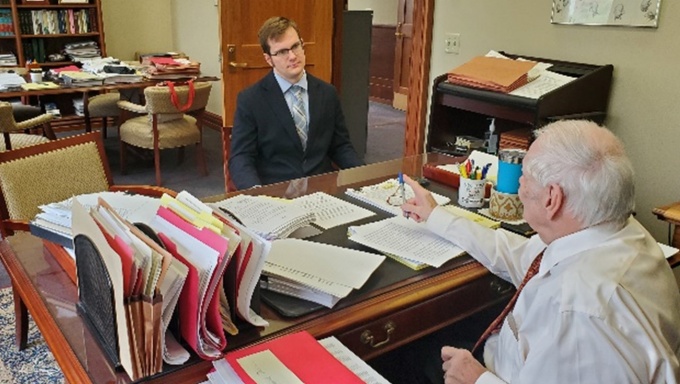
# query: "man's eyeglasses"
295,48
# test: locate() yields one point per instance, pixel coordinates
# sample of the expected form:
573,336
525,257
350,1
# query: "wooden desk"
87,91
413,304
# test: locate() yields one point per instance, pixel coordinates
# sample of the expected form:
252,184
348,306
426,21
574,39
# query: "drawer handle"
368,338
501,287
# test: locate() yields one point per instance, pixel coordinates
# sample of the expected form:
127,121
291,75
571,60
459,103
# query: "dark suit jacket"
265,147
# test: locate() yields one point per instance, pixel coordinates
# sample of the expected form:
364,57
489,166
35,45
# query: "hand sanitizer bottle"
492,143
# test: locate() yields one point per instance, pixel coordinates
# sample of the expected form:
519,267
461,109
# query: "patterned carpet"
35,364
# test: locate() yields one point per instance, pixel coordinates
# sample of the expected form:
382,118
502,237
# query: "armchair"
13,132
166,125
49,172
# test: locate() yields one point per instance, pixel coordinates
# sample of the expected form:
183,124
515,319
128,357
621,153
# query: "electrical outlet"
452,43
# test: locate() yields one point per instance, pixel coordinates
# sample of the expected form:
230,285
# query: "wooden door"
402,55
242,60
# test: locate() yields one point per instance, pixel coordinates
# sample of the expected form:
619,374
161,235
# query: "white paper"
547,81
352,361
265,368
667,250
407,239
387,196
318,262
331,211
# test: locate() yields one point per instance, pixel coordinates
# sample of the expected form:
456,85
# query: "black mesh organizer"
95,297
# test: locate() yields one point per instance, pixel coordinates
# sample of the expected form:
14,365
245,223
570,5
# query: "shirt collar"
575,243
285,84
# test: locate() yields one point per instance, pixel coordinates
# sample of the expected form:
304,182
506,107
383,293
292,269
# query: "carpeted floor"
35,364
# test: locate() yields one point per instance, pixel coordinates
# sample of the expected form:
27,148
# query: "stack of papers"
80,78
387,196
54,222
269,217
317,272
406,241
11,82
310,361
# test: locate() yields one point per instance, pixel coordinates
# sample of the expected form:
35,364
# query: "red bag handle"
175,99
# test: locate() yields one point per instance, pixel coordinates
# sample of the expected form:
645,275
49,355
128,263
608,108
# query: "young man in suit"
289,124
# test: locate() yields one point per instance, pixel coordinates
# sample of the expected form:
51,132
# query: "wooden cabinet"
35,29
461,111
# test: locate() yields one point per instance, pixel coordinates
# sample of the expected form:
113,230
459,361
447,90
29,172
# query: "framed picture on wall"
630,13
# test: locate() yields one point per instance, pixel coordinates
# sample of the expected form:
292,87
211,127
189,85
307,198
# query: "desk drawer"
390,331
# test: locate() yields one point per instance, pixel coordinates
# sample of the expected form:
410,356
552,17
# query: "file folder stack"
186,263
135,269
492,73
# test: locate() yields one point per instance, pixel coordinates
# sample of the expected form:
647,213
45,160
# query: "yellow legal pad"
477,218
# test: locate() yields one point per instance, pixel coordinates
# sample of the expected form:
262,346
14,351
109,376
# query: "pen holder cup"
471,193
505,206
509,170
36,76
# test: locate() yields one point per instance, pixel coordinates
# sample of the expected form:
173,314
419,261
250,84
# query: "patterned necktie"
496,325
299,115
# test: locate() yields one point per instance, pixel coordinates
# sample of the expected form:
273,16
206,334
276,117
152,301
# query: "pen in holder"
472,185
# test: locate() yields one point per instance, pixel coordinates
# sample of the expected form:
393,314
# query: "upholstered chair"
47,173
103,106
14,135
167,124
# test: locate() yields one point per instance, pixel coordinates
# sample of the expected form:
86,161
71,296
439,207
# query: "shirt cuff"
489,378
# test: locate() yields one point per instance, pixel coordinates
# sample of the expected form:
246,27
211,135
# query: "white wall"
643,109
132,26
188,26
195,32
384,11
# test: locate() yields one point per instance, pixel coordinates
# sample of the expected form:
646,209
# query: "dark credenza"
461,111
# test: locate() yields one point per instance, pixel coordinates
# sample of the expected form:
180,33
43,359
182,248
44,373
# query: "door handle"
398,31
231,57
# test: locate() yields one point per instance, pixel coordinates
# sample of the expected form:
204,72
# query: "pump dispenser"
492,143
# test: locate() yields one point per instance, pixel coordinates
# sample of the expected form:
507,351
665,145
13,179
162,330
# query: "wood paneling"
381,79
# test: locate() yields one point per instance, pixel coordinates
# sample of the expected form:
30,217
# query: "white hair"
590,164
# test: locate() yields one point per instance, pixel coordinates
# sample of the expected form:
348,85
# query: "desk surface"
412,303
63,89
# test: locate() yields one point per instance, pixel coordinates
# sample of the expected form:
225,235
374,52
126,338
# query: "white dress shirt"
603,308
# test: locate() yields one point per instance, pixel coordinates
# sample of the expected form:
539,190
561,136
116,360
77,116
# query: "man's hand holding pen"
421,206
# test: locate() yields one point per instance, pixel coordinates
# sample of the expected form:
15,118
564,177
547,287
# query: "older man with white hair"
597,302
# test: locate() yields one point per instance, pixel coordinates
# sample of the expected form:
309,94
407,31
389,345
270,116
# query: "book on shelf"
310,361
387,195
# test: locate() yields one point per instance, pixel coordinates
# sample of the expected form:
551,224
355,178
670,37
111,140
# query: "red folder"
301,354
211,303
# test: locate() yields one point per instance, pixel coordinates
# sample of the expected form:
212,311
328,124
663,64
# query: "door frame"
419,75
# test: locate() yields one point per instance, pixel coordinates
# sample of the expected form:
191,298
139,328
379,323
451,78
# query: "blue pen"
401,187
485,169
403,192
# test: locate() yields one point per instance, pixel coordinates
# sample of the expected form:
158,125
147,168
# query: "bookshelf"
460,111
35,29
